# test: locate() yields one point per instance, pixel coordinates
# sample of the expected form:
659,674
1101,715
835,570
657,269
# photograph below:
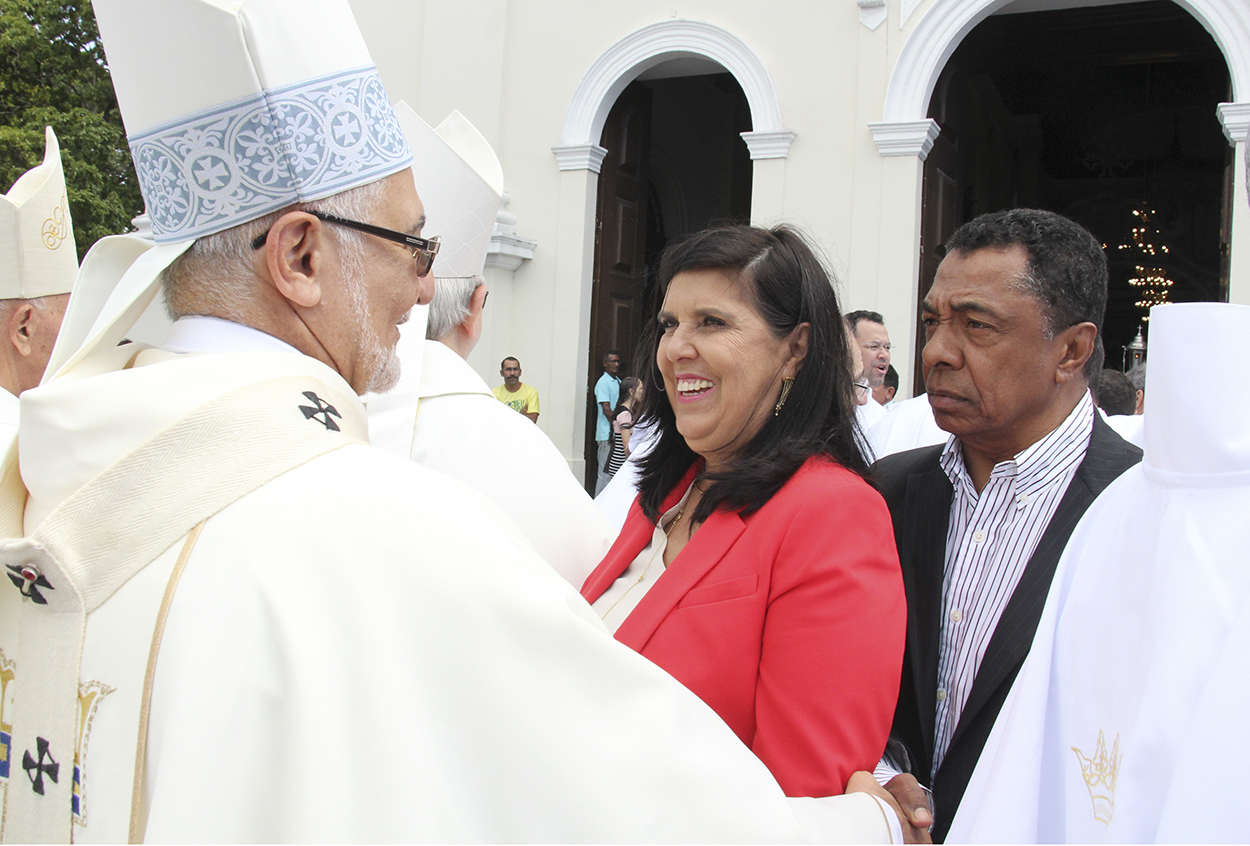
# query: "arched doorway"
675,163
1106,114
684,46
905,135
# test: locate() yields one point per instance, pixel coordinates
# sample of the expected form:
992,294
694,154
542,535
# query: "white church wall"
514,67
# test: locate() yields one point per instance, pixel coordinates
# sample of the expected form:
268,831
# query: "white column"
903,146
1235,117
768,175
574,281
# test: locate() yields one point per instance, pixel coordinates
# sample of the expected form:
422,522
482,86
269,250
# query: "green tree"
53,73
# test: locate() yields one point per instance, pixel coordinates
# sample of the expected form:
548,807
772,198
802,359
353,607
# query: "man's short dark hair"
1137,375
504,363
852,319
1116,394
1066,270
891,377
604,360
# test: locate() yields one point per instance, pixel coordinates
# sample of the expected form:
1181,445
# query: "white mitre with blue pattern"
37,253
237,109
234,109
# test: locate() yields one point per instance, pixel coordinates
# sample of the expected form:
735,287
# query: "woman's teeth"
692,386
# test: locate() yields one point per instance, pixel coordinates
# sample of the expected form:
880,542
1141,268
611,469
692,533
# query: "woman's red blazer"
789,623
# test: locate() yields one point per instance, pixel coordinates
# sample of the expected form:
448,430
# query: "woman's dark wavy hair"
788,286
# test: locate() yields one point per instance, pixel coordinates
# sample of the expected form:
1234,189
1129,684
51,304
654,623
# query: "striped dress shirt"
990,539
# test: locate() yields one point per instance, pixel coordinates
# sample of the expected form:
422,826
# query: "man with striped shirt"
1011,325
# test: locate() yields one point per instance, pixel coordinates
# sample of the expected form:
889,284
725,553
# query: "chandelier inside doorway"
1148,252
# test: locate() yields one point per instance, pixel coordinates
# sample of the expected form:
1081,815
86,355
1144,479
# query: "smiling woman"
757,566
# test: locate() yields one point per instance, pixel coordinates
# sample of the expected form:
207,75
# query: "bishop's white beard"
382,362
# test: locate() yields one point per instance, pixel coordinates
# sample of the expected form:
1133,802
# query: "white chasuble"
92,582
442,415
1134,690
8,418
229,620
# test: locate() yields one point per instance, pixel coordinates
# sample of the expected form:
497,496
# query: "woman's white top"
618,602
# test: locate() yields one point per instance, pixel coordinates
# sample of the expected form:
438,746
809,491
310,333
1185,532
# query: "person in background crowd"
1115,393
1011,323
874,346
863,393
514,393
909,425
1137,375
889,387
1119,401
623,423
607,395
618,495
756,552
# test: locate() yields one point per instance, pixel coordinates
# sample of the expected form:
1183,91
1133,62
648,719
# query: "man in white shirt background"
873,341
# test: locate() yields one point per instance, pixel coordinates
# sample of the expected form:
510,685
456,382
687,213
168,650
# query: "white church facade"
836,120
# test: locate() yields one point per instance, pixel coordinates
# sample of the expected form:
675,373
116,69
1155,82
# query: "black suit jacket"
919,496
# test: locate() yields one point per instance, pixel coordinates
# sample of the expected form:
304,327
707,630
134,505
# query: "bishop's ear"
477,302
20,326
295,256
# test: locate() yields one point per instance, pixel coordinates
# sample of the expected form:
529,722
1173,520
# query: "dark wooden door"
617,300
941,208
1226,223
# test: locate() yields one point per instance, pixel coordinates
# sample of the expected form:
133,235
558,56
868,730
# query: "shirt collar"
199,334
1036,465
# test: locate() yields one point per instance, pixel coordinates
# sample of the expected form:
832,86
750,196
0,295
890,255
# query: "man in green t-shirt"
513,392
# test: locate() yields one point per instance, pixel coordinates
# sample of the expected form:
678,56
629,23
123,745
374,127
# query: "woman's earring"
786,385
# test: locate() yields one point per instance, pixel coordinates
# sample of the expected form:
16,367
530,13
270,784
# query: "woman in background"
757,565
623,424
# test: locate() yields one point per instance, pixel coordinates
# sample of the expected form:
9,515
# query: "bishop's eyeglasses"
423,249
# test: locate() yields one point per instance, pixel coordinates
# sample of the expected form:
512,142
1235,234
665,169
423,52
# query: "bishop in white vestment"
224,615
456,426
38,263
441,413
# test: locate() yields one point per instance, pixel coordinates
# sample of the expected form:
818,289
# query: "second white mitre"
38,257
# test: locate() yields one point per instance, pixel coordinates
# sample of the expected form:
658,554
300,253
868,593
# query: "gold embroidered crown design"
1100,773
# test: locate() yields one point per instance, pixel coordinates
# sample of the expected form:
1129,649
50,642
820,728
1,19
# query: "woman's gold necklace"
659,549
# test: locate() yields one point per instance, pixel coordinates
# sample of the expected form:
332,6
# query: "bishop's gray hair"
217,273
450,306
8,306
